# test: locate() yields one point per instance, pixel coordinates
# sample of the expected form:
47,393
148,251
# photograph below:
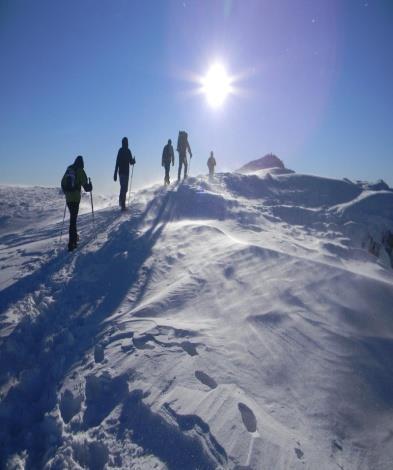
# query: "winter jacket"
168,155
81,180
123,161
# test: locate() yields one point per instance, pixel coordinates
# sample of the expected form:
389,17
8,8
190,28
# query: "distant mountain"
268,161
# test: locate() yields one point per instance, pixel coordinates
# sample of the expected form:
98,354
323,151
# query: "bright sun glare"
216,85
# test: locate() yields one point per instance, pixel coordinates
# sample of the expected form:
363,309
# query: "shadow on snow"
38,354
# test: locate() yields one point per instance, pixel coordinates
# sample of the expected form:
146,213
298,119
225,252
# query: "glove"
190,155
88,187
115,177
133,161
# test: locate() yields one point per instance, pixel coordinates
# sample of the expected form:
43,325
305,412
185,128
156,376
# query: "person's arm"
172,156
86,186
132,159
189,149
116,167
163,157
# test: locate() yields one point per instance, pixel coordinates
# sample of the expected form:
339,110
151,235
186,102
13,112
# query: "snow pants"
167,167
182,161
123,190
73,207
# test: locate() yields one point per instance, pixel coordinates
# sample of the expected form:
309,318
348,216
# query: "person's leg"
185,167
76,212
180,167
73,207
123,194
123,190
167,168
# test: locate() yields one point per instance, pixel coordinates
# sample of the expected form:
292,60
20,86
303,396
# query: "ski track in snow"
236,323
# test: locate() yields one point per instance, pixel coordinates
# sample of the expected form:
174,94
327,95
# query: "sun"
216,85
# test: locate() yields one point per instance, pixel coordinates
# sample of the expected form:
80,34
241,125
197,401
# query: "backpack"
68,182
182,141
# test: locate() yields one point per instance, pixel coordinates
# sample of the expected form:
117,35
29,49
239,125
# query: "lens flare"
216,85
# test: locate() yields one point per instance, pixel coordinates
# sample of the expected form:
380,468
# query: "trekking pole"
129,189
62,225
92,211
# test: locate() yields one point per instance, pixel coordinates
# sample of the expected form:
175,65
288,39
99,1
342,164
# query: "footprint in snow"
248,417
99,354
337,446
143,342
229,272
299,453
189,348
205,379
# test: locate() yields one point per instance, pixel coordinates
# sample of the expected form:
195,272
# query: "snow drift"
237,323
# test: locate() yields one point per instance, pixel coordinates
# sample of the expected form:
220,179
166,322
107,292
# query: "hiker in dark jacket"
123,161
182,147
211,163
168,157
74,179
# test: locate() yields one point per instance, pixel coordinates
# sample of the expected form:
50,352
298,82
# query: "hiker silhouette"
182,147
168,157
211,163
123,162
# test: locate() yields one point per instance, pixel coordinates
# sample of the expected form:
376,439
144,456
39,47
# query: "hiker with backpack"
182,147
211,163
123,162
73,180
168,157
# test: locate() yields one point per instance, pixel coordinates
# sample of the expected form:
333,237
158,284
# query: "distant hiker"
182,147
168,156
211,163
123,161
71,183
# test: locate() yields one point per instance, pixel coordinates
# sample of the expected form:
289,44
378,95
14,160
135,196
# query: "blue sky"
313,85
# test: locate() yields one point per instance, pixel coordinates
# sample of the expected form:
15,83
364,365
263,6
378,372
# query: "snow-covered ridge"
266,162
242,322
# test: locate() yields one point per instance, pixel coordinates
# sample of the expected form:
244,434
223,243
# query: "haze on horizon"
308,80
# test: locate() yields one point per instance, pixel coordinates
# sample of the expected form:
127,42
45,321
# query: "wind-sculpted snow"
240,322
369,204
295,189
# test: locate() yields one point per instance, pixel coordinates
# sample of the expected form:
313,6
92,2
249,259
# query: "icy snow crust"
239,323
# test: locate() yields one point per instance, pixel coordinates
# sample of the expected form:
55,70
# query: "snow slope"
235,323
